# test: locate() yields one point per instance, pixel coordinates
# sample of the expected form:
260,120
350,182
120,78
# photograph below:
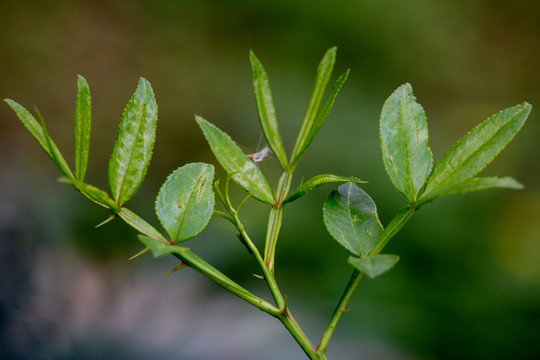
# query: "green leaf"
31,124
97,195
236,163
474,184
83,120
185,201
266,111
321,116
317,181
324,71
136,222
404,142
158,248
477,149
350,216
93,193
374,265
134,144
55,153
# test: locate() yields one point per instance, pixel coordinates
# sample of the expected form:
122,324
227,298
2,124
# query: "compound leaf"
236,163
404,142
477,149
185,201
133,147
350,215
374,265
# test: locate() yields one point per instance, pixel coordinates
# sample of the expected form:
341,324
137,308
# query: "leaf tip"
527,107
256,65
253,58
514,184
200,120
81,81
11,103
329,57
144,86
332,50
406,87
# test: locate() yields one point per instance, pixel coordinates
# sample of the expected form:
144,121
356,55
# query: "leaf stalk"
274,220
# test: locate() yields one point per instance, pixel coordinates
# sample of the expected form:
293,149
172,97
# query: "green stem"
266,266
284,315
192,260
391,230
234,218
274,220
268,276
290,323
341,308
201,266
224,215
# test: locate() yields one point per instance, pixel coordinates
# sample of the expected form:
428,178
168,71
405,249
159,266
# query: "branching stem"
391,230
268,276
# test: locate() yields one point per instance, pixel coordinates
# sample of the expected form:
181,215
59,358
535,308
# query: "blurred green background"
468,283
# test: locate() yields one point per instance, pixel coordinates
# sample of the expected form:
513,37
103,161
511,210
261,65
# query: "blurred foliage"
468,283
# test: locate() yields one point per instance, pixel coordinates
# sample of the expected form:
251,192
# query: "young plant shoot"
185,203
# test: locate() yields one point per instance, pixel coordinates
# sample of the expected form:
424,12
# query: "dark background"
468,283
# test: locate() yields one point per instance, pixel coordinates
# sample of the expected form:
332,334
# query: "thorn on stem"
143,251
179,267
110,218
